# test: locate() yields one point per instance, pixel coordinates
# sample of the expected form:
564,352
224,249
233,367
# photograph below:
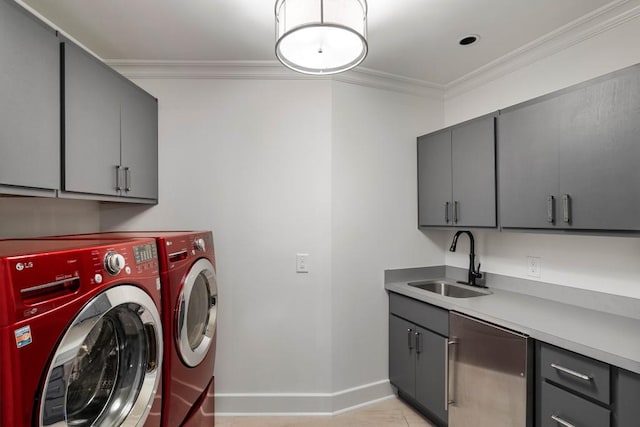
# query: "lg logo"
21,266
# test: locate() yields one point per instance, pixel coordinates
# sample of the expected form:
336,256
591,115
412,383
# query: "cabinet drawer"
420,313
582,374
557,404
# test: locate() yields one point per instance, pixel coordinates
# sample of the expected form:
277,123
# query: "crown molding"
599,21
269,70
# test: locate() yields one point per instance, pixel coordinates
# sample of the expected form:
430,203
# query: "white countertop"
603,336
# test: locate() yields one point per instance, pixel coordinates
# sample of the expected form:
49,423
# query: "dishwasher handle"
447,401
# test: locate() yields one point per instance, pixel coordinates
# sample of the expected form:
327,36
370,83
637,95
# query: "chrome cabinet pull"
118,187
571,372
409,340
550,209
446,374
566,208
455,211
561,421
446,212
127,179
418,343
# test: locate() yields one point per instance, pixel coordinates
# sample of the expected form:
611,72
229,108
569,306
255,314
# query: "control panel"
45,274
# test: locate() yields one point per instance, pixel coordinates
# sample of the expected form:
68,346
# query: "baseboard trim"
301,404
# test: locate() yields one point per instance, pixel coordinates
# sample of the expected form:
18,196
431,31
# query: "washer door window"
105,370
197,313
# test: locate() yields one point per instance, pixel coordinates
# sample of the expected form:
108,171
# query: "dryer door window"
105,370
197,312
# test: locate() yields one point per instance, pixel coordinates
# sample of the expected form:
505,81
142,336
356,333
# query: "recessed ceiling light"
469,40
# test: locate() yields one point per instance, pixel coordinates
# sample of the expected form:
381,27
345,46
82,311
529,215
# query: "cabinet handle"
127,179
418,343
455,212
550,209
409,340
446,212
571,372
118,187
446,374
561,421
566,208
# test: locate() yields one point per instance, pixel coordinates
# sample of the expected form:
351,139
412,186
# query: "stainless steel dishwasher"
489,371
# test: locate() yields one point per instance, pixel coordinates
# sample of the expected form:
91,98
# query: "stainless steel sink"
447,289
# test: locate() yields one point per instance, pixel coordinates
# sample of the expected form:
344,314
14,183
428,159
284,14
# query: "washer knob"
199,244
113,262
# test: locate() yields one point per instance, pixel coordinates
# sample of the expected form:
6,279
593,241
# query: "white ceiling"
417,39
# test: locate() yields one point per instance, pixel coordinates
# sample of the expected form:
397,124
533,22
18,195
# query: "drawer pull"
571,372
561,421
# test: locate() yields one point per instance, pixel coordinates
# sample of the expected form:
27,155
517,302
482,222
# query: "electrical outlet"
533,266
302,263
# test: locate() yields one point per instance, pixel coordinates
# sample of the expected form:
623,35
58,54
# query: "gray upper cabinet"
434,179
456,175
139,151
110,142
92,124
30,107
569,160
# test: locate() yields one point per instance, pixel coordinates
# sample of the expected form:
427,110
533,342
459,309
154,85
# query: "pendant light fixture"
321,36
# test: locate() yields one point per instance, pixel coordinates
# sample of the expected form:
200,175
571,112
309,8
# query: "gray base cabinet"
627,399
30,107
456,176
417,354
568,160
576,390
110,140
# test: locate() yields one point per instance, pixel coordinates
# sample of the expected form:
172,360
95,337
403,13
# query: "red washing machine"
82,341
189,311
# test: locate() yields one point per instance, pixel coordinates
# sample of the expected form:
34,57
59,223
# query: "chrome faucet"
473,272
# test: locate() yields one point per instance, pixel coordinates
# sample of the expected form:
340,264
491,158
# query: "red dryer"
81,333
189,312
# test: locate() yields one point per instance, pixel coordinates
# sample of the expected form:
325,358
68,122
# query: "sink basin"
447,289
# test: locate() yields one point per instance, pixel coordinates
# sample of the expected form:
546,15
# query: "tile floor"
387,413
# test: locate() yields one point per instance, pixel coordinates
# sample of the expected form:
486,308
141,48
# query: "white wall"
251,161
277,167
374,218
30,217
607,264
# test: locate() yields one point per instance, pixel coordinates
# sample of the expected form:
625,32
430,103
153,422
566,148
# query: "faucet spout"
474,273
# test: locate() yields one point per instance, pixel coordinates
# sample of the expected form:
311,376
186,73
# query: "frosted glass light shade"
321,36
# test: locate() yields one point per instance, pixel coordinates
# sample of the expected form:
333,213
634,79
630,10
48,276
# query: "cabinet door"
431,371
139,142
627,399
402,355
30,107
434,179
474,173
599,152
528,164
92,124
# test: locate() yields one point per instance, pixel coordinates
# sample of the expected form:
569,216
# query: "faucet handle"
476,273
